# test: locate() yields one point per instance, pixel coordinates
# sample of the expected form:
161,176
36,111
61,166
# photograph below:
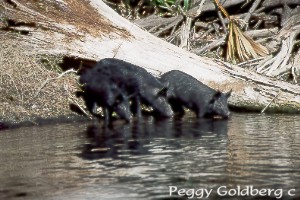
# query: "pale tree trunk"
89,29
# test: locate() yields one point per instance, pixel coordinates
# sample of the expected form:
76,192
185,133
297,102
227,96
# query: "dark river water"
249,156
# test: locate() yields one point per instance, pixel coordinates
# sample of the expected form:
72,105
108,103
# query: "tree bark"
89,29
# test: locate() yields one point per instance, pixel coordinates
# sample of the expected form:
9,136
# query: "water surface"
144,160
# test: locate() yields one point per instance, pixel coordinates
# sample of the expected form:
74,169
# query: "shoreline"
39,121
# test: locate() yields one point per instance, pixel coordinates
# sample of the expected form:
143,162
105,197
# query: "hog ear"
215,97
166,84
162,92
228,94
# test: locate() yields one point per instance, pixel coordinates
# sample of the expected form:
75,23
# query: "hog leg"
136,107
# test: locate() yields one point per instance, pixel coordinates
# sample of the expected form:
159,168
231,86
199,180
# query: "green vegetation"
51,62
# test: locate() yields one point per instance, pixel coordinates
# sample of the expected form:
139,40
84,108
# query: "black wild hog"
99,90
186,91
138,84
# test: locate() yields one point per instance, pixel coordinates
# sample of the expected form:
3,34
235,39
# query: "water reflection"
265,148
134,138
142,159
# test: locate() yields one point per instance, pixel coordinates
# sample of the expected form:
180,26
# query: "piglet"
186,91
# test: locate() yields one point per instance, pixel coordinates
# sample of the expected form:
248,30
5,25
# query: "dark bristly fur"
99,90
138,84
186,91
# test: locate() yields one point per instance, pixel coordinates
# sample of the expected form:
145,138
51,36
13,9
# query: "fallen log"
89,30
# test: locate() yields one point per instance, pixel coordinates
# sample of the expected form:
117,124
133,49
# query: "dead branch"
263,110
274,3
171,24
55,78
280,63
252,9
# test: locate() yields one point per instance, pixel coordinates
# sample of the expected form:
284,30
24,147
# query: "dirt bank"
29,87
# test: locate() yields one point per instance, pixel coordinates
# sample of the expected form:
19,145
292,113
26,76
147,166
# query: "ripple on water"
141,160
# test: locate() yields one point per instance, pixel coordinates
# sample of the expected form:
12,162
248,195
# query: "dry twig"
278,64
263,110
50,79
